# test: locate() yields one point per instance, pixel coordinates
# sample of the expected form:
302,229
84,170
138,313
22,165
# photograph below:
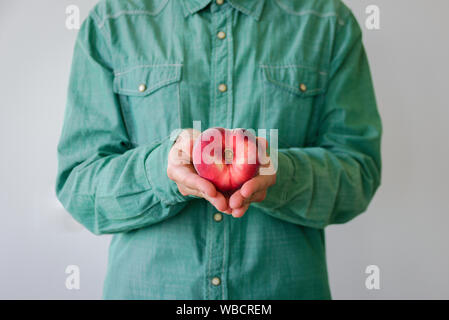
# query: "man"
142,69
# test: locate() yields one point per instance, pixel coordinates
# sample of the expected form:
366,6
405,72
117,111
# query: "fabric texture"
143,69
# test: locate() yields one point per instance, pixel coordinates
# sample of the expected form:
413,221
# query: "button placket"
220,63
216,287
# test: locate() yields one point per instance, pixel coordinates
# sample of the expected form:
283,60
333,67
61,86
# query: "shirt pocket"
150,100
290,96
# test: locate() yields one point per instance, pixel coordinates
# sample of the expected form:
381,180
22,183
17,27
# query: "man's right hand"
180,169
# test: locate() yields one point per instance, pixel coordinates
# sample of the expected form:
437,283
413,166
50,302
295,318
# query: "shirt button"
219,2
216,281
222,87
218,217
221,35
303,87
142,88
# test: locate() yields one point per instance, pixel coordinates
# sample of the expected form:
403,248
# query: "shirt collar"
249,7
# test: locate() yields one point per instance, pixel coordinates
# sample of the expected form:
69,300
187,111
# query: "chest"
222,69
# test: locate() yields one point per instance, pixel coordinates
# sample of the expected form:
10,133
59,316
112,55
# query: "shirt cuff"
156,167
277,194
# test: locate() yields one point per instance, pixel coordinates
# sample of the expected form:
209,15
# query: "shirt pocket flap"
298,80
143,80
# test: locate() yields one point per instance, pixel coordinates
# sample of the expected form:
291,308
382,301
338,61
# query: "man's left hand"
254,190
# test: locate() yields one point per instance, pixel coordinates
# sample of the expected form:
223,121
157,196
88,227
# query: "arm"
333,180
105,182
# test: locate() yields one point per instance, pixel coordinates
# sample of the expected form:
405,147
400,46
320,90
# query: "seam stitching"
120,73
210,259
229,75
311,12
224,260
132,12
294,89
179,106
153,88
96,18
292,66
78,41
264,111
192,11
214,87
241,8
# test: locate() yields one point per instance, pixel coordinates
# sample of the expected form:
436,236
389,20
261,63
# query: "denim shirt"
144,68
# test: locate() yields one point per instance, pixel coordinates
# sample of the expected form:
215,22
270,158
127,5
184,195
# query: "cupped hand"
255,189
180,169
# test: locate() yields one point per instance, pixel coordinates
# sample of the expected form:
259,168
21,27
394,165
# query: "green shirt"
143,68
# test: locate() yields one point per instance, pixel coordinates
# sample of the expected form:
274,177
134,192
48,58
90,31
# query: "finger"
186,145
236,200
228,211
258,196
177,156
186,191
263,142
262,146
180,152
187,139
256,184
187,176
238,213
219,201
189,133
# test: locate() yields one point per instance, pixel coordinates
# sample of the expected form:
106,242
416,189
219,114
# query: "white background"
404,232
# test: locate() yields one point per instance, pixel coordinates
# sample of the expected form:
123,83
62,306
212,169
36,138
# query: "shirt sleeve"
104,181
334,179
